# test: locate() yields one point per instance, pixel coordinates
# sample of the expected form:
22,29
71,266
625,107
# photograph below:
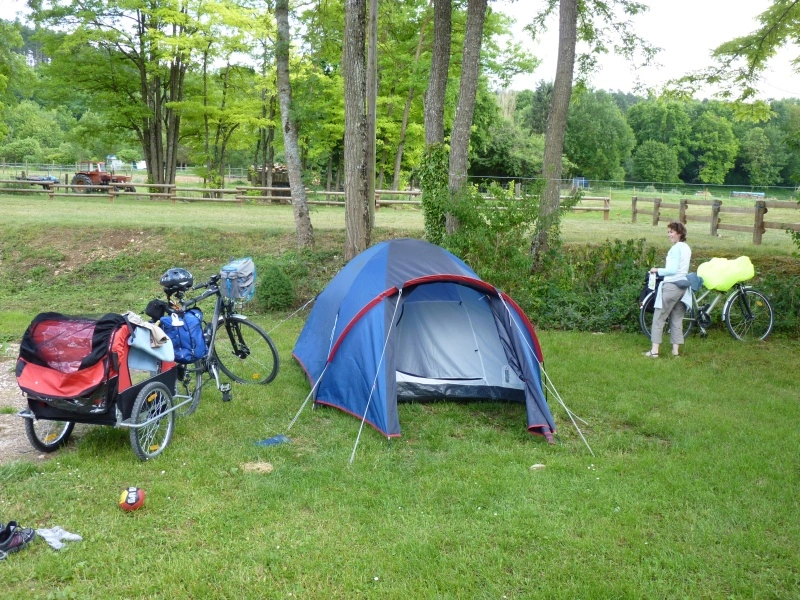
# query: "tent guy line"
375,380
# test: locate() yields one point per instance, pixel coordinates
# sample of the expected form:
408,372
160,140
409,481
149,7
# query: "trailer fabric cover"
408,320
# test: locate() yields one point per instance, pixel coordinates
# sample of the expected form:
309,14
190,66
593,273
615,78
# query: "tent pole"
549,382
319,379
311,393
375,379
302,308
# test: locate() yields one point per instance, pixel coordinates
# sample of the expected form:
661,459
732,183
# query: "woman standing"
672,298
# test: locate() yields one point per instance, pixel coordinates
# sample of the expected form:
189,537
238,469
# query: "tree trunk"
372,107
269,159
302,220
468,89
440,66
357,213
206,125
398,158
546,235
339,169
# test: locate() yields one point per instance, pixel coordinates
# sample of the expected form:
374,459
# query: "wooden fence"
329,197
240,194
758,210
581,207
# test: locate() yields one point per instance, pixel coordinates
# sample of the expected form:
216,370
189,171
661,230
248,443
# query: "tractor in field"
93,177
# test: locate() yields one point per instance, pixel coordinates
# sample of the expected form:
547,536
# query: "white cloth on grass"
56,536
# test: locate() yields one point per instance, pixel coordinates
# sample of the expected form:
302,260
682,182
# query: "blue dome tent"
408,320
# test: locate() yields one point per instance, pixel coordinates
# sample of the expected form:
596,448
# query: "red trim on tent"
542,430
470,281
528,324
357,317
359,417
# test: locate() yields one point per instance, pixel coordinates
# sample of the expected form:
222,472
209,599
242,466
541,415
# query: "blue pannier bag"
238,279
186,332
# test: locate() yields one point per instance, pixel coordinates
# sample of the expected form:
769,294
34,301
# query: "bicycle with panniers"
228,342
746,312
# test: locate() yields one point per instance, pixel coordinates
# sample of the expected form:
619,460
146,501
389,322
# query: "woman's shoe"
13,538
650,354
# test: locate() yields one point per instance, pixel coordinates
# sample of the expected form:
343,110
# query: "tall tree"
714,146
589,13
655,162
133,73
468,88
546,233
758,160
663,120
741,61
440,68
10,63
357,211
302,220
598,139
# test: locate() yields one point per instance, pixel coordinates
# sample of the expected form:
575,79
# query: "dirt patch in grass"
65,249
257,467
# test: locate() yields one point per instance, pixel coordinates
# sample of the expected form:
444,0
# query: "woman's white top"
676,268
678,259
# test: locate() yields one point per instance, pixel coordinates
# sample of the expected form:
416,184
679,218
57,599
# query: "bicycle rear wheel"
748,315
245,352
648,311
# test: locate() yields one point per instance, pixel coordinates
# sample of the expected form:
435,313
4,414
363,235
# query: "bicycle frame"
701,313
222,308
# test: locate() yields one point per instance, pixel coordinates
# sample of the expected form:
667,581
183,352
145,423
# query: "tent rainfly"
408,320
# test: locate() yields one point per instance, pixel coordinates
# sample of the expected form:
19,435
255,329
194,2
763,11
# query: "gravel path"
14,444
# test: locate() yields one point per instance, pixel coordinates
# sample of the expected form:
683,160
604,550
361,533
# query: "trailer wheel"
154,403
46,435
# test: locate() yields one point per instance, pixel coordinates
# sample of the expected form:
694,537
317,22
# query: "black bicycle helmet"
176,280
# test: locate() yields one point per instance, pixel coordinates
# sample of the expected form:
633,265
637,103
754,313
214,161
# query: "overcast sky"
686,30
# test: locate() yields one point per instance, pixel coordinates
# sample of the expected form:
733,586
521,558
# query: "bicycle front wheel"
245,352
648,311
748,315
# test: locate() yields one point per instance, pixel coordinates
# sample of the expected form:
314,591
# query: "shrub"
590,288
275,290
783,294
494,236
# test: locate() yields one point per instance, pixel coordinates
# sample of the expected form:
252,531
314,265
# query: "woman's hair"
678,228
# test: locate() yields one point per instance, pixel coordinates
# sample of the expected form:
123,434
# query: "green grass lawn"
692,492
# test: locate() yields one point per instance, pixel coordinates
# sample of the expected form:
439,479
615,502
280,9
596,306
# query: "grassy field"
692,492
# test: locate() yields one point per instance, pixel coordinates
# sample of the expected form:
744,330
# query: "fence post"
682,212
656,210
633,209
758,226
517,190
715,208
606,208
